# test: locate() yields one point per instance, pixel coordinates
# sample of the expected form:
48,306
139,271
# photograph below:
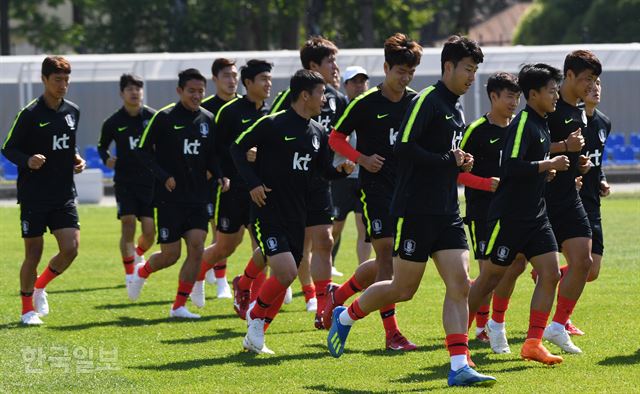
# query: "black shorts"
510,237
133,199
569,222
376,215
214,202
275,237
233,210
597,239
345,196
419,236
174,220
476,221
319,207
36,217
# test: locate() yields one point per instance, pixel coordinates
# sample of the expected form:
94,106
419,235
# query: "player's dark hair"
502,81
253,68
537,76
315,49
304,81
130,79
400,50
188,75
55,65
457,48
581,60
221,63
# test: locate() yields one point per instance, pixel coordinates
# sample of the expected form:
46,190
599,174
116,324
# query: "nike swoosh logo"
122,128
44,124
246,120
380,116
542,139
289,138
567,121
178,127
447,117
494,141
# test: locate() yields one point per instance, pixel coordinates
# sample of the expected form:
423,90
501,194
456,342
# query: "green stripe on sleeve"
146,129
15,121
352,104
279,100
250,129
414,113
516,143
470,129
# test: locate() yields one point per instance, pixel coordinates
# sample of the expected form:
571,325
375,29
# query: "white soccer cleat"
312,305
210,276
497,337
183,313
335,272
223,290
560,338
197,294
134,287
255,334
31,319
288,296
127,279
266,350
138,259
40,302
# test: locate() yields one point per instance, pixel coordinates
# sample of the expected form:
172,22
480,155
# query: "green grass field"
91,316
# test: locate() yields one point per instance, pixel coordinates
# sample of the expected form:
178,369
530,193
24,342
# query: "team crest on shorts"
210,209
482,246
315,141
224,223
272,243
376,225
25,226
204,129
70,121
502,253
409,246
164,233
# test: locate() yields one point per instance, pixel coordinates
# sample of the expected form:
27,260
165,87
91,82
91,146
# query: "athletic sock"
273,310
458,346
537,324
388,315
27,301
321,293
269,293
47,276
184,289
140,251
346,290
204,267
564,309
145,270
500,306
309,292
482,316
220,269
251,272
354,311
256,284
128,265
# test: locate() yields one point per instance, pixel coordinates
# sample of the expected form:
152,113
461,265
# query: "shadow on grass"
126,321
222,334
85,290
132,304
17,326
622,360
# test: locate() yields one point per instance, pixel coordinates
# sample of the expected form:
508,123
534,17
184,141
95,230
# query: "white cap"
352,71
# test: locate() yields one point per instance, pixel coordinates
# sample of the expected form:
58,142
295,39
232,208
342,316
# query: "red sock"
251,272
269,293
273,310
220,269
500,306
309,292
348,289
128,265
204,267
184,289
27,301
145,270
482,316
45,277
256,285
537,324
354,311
140,251
388,315
457,344
564,309
321,293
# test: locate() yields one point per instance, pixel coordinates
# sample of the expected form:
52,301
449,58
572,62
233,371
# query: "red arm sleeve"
338,142
474,181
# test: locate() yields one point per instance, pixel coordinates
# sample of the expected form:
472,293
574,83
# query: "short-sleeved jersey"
376,121
180,143
567,118
427,172
125,130
38,129
595,136
292,151
520,195
484,140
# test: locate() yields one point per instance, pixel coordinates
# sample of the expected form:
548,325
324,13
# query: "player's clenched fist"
36,161
560,163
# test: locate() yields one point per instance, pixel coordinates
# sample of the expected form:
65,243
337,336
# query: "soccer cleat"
183,313
560,338
573,330
266,350
134,287
31,318
399,342
534,350
127,279
335,272
467,376
497,337
331,304
210,276
223,289
337,334
288,296
40,302
255,332
312,305
482,336
248,346
241,298
197,294
317,321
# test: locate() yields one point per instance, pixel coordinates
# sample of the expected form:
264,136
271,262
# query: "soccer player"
425,205
376,117
484,139
517,219
224,75
233,118
42,143
133,181
178,147
568,217
292,152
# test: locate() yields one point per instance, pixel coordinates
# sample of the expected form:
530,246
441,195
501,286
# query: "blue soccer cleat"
467,376
337,334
